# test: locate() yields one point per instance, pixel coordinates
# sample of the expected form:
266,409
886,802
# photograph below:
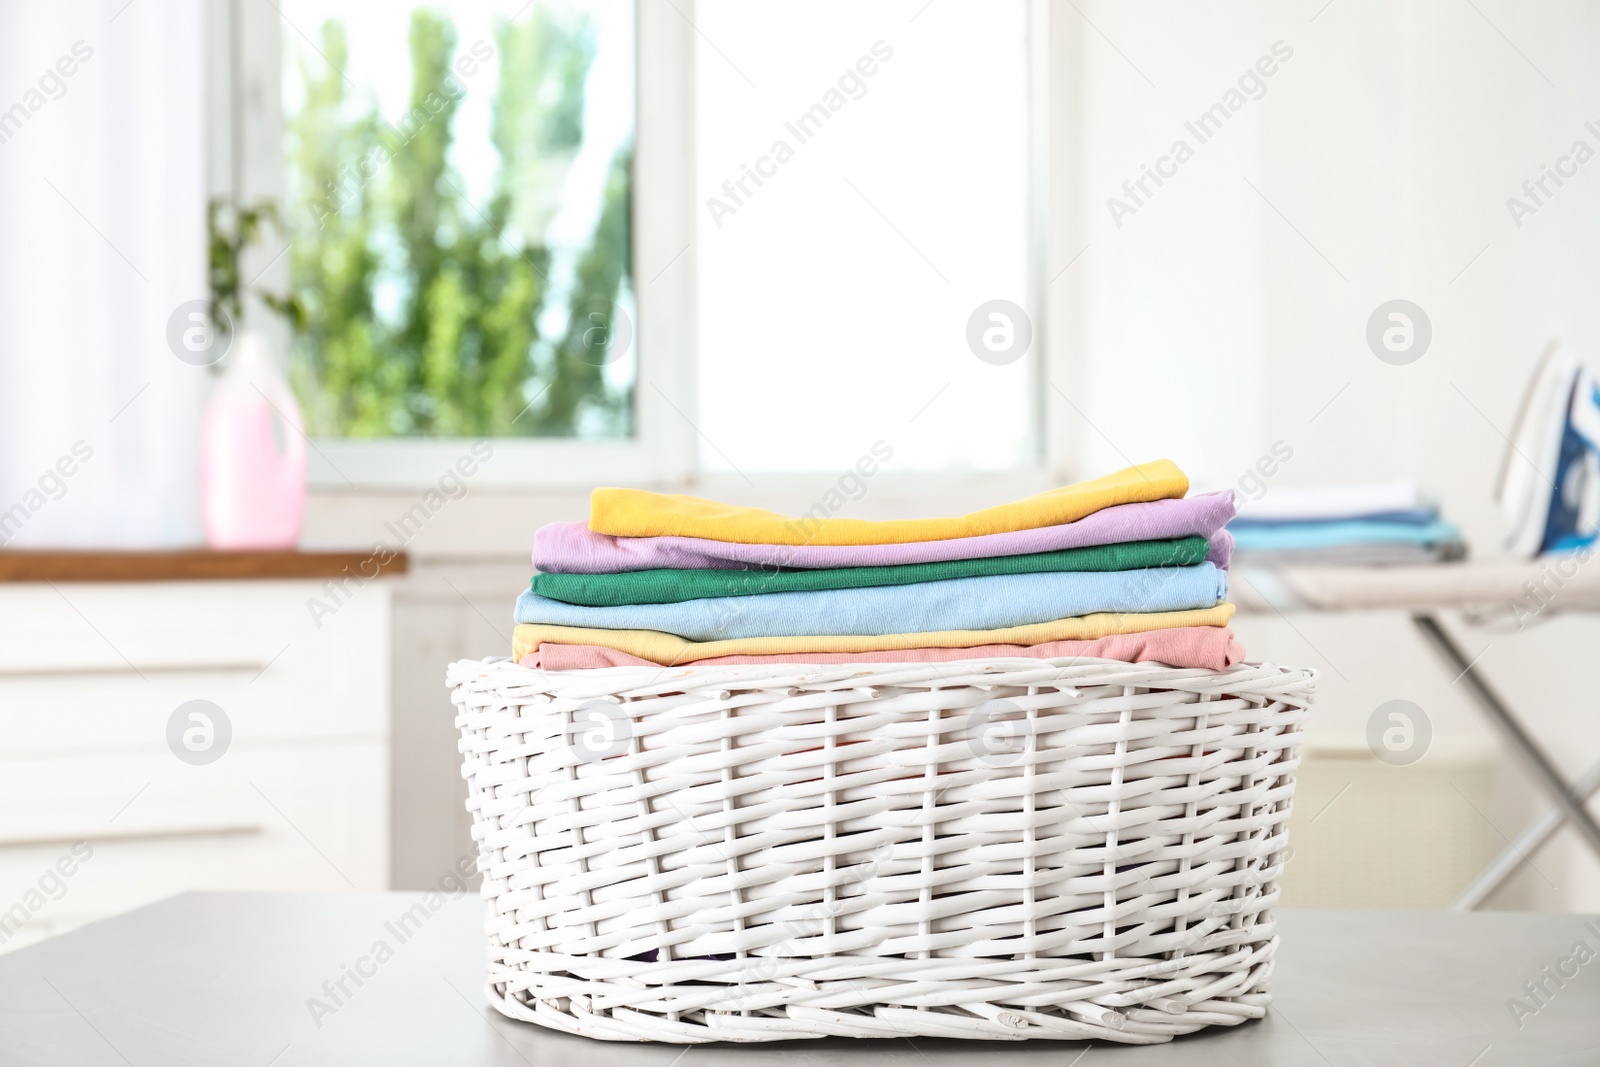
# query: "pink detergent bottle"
252,455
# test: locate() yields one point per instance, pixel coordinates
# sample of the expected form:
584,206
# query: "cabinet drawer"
308,816
84,666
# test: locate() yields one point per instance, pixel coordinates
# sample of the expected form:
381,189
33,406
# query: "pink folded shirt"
1211,647
572,548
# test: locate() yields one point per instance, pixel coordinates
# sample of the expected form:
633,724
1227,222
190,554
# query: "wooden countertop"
114,565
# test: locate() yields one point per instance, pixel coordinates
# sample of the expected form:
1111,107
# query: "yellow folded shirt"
669,649
636,513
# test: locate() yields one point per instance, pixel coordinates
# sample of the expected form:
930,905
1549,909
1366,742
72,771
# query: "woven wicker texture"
1000,849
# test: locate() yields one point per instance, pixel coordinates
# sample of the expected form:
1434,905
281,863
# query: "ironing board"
1490,588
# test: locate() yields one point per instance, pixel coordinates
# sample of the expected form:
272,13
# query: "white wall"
1390,141
1215,323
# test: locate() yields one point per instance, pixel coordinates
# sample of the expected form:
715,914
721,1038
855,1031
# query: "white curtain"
102,236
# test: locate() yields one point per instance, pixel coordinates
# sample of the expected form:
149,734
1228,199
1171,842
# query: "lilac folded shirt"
572,548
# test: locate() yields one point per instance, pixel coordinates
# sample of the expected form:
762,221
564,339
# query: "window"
450,284
457,195
864,187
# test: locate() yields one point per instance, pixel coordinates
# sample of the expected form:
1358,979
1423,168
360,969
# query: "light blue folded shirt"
985,603
1290,536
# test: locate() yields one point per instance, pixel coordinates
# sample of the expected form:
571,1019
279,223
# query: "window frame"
246,132
245,125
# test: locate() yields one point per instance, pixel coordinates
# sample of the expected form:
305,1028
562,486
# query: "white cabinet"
91,674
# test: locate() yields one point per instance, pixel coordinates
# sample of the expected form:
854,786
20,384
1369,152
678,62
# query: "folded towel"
958,604
668,649
675,586
1210,647
1309,535
636,513
573,548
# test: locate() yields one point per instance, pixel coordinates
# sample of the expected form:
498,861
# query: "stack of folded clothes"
1355,525
1121,567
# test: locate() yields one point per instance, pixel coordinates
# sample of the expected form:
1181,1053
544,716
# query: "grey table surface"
228,978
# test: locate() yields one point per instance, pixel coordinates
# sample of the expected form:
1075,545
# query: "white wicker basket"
1011,849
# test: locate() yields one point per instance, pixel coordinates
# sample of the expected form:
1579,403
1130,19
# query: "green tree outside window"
423,308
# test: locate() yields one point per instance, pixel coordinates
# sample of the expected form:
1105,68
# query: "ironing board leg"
1527,842
1569,800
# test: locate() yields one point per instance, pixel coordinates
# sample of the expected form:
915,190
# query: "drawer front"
87,666
263,817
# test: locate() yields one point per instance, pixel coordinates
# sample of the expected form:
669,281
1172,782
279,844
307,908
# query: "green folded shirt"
670,586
